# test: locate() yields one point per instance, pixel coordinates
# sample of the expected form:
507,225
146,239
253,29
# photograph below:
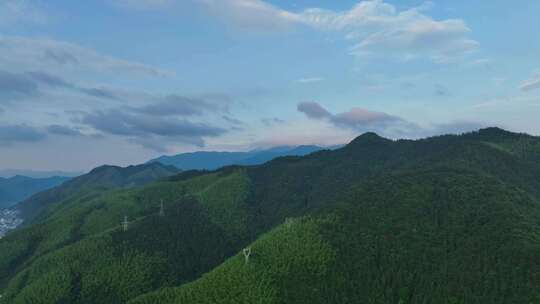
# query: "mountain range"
449,219
90,185
7,173
18,188
214,160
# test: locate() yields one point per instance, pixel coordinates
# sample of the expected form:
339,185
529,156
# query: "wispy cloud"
268,122
144,129
64,131
15,86
441,90
379,28
170,120
175,105
309,80
374,27
531,83
233,121
46,54
254,13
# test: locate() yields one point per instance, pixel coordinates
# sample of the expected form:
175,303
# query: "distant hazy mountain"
215,160
6,173
18,188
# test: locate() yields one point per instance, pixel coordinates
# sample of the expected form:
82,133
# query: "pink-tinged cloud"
362,116
363,120
356,118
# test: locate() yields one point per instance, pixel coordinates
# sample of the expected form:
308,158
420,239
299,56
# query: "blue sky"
84,83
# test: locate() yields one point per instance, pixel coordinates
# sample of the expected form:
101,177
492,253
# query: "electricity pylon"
125,223
247,253
161,209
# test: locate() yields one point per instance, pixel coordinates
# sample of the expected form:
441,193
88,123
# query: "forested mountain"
216,160
7,173
18,188
449,219
89,185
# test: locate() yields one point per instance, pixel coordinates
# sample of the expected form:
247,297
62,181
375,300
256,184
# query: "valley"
9,220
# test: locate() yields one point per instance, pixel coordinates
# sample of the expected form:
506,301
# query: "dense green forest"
99,180
449,219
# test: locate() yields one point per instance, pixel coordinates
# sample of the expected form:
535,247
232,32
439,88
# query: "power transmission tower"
247,253
161,209
125,223
289,222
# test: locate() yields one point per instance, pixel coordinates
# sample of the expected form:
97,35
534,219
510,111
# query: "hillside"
18,188
91,184
448,251
450,219
216,160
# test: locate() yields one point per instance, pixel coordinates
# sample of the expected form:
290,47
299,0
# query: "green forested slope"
87,243
437,236
92,184
451,219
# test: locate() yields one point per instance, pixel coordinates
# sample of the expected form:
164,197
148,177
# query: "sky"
86,83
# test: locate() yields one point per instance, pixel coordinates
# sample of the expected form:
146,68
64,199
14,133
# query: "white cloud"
310,80
365,14
251,14
375,27
531,83
379,28
248,14
45,54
